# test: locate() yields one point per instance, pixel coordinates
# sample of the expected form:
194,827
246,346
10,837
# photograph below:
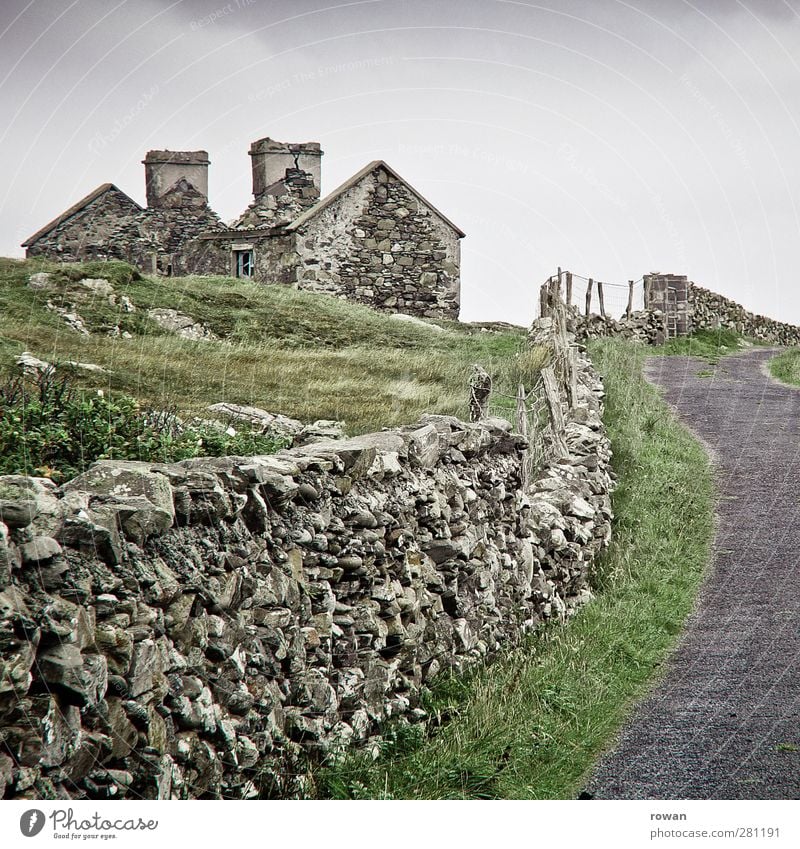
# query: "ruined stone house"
375,239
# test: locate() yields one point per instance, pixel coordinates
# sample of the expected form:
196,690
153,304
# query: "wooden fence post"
568,297
544,300
589,296
480,388
522,427
600,299
629,310
572,388
556,415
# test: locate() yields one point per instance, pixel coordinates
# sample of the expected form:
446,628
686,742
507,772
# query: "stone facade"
374,240
104,225
205,629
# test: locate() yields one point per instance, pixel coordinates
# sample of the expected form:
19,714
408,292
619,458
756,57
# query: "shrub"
50,428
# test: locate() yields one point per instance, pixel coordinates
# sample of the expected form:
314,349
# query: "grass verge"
708,345
786,366
531,725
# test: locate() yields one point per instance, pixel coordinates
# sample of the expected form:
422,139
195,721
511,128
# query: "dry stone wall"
208,628
710,311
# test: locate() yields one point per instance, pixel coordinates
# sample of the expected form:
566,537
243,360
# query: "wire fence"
589,295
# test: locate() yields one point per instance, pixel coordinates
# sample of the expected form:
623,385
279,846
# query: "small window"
244,263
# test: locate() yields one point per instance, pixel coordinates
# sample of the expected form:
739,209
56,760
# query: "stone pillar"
669,293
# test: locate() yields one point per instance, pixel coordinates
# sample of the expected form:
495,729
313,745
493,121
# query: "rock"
412,319
31,365
9,556
92,286
424,447
321,429
20,499
84,677
71,318
256,418
40,280
139,494
181,325
39,550
61,733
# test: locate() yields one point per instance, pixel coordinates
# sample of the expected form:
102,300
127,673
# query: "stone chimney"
176,178
279,166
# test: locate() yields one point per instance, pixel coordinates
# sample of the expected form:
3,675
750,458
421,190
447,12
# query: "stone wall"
645,326
379,245
205,629
106,228
710,311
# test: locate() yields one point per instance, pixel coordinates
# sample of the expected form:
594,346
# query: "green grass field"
303,355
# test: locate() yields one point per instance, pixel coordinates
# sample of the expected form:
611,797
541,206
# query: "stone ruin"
374,240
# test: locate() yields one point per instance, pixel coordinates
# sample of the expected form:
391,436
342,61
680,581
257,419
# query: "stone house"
375,239
158,239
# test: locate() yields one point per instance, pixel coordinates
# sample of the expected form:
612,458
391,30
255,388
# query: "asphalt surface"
724,722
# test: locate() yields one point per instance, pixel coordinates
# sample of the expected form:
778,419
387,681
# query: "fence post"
647,293
555,288
522,427
589,297
572,388
480,388
568,297
629,310
600,299
556,415
544,300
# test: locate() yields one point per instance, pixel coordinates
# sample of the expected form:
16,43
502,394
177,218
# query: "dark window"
244,263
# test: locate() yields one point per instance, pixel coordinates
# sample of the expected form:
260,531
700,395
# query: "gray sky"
610,138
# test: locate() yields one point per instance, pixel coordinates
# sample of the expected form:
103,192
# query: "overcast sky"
610,138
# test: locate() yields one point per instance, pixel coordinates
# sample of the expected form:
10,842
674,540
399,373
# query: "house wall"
378,245
106,228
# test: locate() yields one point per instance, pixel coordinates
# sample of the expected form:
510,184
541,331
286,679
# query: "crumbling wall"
204,629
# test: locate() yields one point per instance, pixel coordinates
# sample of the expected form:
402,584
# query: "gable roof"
348,184
74,209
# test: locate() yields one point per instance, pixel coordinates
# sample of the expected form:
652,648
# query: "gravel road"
724,721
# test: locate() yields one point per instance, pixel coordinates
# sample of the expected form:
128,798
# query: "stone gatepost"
669,293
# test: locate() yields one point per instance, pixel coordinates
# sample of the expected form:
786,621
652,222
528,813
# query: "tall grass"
304,355
531,725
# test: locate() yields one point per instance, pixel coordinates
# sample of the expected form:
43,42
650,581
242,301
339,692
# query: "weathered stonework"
711,311
374,240
204,629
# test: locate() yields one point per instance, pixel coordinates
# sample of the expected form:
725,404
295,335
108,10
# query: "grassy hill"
303,355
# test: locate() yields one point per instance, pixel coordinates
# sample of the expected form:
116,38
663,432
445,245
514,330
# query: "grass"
532,724
304,355
786,366
708,345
